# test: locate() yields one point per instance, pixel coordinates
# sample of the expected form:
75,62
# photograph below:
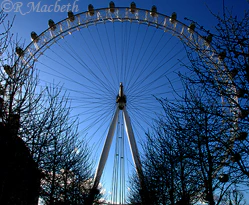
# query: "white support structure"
132,142
121,106
106,149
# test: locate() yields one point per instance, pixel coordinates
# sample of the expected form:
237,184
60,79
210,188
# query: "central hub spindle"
121,98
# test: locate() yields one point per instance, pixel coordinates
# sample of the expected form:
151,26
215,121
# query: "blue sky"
98,60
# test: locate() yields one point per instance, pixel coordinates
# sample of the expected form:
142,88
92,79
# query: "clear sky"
95,82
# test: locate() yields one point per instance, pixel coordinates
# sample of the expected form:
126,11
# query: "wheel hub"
121,98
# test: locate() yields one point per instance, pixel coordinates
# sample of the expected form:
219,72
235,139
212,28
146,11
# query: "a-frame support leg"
106,149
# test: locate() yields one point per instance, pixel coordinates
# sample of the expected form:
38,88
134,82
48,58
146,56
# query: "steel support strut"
132,142
106,149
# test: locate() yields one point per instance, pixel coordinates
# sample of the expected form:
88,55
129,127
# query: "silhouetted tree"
61,156
234,196
187,137
20,176
38,136
222,69
224,75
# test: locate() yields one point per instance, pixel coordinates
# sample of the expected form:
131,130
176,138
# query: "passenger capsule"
242,136
243,113
209,38
70,16
224,178
236,157
173,17
51,24
19,51
133,7
1,104
153,11
222,55
240,92
7,69
112,7
191,28
34,37
1,90
90,10
233,73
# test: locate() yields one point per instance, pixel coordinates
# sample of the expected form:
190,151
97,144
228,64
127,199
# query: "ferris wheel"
115,63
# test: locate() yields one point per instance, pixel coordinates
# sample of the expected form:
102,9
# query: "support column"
132,142
106,149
